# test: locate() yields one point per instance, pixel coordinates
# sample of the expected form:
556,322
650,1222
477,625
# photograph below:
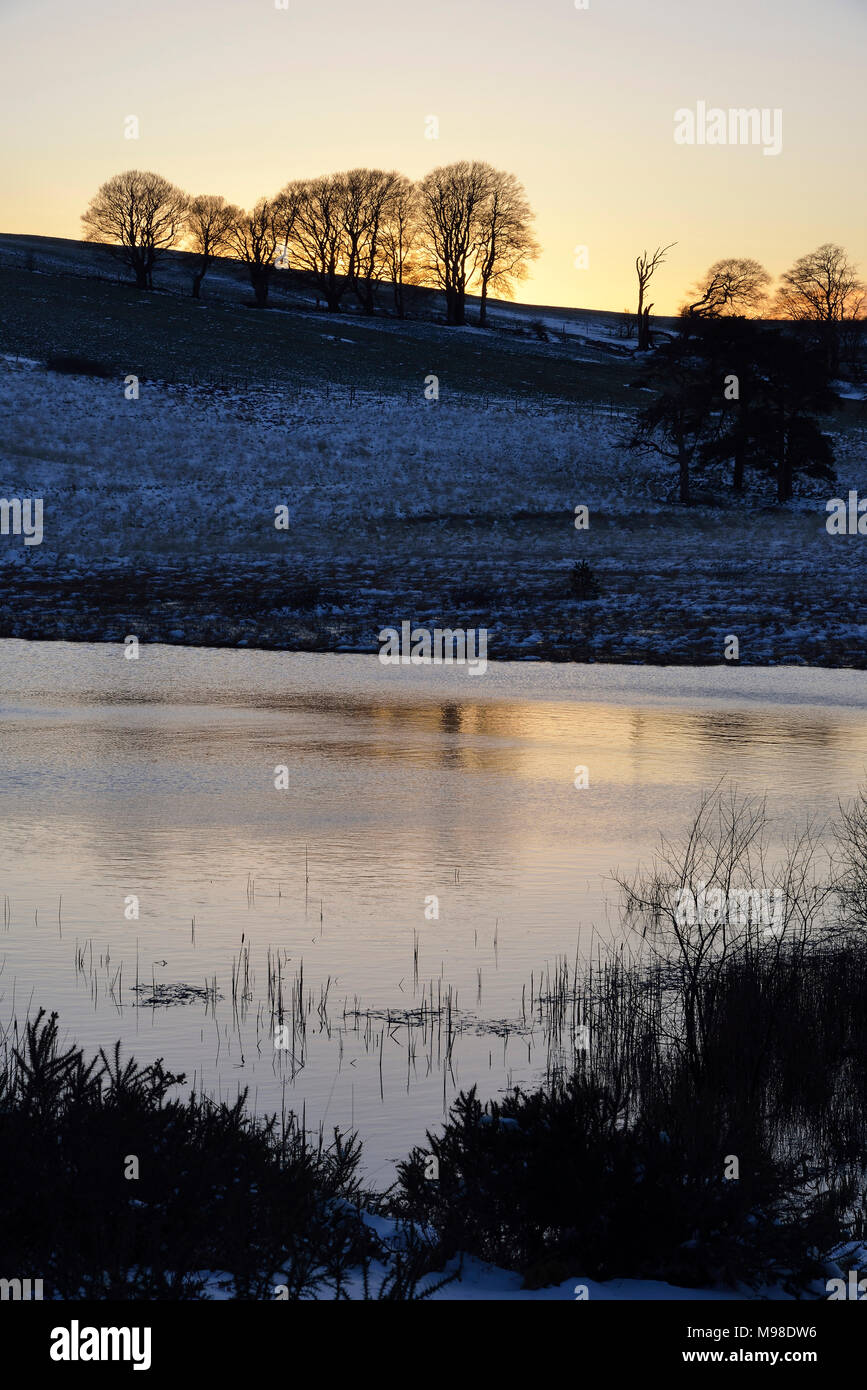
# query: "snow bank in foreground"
480,1282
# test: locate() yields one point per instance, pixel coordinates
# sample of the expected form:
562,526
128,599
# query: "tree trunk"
784,468
144,268
832,348
644,329
483,306
740,458
197,283
259,281
784,480
683,472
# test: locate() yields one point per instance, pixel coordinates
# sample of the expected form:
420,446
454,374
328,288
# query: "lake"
148,786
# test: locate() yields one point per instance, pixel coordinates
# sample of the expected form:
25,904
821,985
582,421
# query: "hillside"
160,511
587,356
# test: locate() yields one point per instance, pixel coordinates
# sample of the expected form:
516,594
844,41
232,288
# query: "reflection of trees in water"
531,737
621,723
451,718
741,726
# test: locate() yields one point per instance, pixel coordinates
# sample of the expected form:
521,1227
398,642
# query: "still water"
149,786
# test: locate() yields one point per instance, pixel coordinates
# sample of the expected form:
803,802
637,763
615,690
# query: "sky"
238,96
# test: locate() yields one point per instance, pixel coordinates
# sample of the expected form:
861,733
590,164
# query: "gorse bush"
217,1191
583,583
555,1184
73,365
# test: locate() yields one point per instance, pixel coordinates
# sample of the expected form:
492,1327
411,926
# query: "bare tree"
318,239
140,215
644,267
696,908
506,243
822,288
737,285
452,199
253,238
284,210
209,223
366,194
399,236
352,213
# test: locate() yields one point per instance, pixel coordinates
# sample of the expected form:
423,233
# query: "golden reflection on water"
393,795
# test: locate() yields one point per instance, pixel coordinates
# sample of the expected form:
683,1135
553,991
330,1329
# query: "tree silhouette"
737,285
367,195
253,237
767,423
644,267
791,388
139,215
680,418
506,243
822,288
209,223
319,246
452,201
399,238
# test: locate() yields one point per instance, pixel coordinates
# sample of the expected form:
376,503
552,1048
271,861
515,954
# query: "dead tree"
644,267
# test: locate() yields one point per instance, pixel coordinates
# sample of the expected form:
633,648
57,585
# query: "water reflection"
159,782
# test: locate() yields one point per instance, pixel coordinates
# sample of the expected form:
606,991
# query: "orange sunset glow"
239,96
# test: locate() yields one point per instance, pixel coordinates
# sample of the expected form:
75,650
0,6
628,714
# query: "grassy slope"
159,514
166,335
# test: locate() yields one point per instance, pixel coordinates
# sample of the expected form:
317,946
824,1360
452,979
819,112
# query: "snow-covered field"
159,519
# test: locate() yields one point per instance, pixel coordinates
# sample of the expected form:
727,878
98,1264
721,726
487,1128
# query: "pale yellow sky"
237,96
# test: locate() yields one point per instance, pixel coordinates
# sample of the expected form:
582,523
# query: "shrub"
218,1190
583,583
555,1183
73,365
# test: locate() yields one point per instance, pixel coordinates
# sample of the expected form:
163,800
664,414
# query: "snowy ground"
477,1281
159,520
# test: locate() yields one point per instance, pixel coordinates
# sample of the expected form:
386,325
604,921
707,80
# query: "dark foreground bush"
73,365
583,583
555,1185
217,1190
